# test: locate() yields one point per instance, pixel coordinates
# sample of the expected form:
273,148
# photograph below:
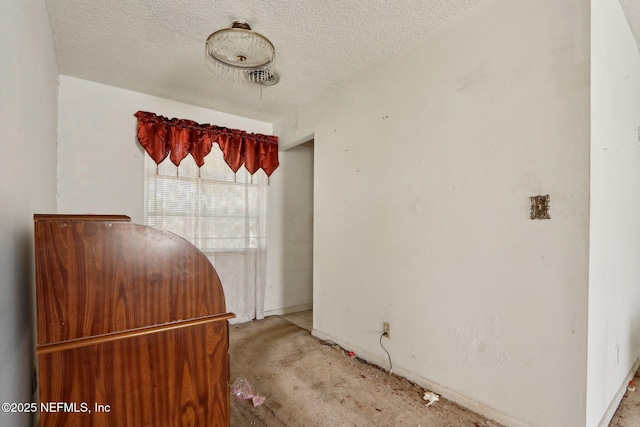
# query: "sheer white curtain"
223,214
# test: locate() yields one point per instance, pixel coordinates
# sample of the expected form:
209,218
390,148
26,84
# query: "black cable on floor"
355,356
385,350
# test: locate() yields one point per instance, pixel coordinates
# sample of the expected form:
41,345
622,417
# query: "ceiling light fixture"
239,52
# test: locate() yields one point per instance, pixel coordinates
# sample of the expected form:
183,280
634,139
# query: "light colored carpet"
309,384
628,413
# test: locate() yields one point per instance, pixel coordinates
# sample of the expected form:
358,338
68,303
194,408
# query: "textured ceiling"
157,46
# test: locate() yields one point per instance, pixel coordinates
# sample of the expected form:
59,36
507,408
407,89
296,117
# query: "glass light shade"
239,47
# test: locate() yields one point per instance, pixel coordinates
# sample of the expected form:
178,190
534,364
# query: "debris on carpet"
242,389
431,398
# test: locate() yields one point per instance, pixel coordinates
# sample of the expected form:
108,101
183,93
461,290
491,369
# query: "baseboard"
460,399
288,310
611,410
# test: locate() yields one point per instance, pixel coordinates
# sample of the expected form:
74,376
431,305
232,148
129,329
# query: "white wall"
291,216
101,169
28,115
614,263
423,171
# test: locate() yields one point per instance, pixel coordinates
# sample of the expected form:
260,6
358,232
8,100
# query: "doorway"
298,234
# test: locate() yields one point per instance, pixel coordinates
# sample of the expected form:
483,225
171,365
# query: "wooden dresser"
132,326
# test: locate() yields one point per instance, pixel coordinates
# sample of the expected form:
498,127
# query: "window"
221,212
214,208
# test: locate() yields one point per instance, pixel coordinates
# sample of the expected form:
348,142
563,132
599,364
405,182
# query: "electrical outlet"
386,329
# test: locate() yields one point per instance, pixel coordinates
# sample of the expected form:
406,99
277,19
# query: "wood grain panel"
96,276
171,378
132,319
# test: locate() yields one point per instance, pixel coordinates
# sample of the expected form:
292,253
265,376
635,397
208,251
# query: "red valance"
176,138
